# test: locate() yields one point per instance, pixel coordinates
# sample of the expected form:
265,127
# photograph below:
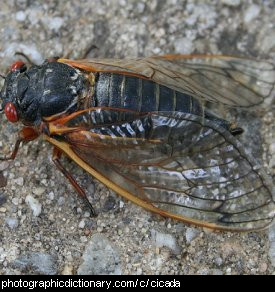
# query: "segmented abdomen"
141,95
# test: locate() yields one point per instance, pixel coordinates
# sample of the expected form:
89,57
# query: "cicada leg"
56,160
27,134
26,57
88,50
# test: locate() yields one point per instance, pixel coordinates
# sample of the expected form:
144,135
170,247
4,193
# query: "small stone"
3,199
165,239
160,32
34,205
11,222
271,237
37,236
3,209
272,148
233,3
11,175
87,232
55,23
218,261
61,201
183,46
20,16
109,203
15,201
143,230
87,214
251,13
51,196
67,270
272,163
156,51
81,224
228,271
271,253
140,7
126,220
91,189
100,258
122,2
263,267
44,182
39,191
4,165
99,229
41,263
153,4
191,234
83,239
271,233
19,181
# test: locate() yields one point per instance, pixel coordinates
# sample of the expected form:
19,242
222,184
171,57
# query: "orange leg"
56,159
25,135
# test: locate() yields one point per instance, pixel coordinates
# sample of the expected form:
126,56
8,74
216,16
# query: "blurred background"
45,227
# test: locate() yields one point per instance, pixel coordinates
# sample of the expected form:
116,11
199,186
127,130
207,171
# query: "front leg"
56,159
25,135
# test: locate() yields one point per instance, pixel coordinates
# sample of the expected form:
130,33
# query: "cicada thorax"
32,94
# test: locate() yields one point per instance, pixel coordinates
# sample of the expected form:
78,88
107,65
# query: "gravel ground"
45,228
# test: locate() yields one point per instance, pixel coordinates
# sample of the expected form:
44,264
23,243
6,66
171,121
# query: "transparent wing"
187,169
222,79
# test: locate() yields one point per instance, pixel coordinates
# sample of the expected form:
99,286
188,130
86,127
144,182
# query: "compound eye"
18,65
10,112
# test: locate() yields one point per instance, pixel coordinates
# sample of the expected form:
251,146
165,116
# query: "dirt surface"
45,227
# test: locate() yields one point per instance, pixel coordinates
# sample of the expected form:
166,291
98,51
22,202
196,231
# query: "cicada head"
32,93
9,93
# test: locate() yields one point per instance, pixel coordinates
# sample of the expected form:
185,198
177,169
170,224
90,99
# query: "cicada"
144,128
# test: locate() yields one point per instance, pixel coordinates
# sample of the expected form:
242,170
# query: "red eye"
10,112
17,65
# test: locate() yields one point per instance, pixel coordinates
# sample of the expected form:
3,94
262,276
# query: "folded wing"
185,167
220,79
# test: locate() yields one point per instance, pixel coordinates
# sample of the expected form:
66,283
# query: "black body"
55,88
141,95
42,91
